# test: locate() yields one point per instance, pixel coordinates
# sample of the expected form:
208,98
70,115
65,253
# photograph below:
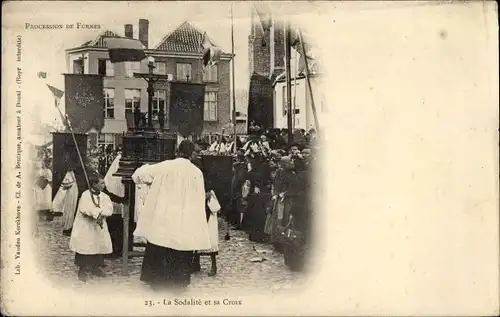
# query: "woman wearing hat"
258,197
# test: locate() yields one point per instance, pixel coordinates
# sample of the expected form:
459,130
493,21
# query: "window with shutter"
210,74
160,68
106,140
110,69
210,106
159,99
109,103
184,72
131,68
132,99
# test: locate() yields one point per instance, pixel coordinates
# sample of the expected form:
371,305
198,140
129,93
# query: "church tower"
266,54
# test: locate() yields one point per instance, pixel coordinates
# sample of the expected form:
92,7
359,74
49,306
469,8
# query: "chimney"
129,31
143,31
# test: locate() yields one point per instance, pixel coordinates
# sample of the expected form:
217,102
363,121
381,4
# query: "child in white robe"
90,238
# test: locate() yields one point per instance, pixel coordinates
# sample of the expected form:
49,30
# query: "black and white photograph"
156,166
248,158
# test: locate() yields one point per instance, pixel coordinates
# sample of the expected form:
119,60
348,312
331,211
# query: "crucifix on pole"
151,79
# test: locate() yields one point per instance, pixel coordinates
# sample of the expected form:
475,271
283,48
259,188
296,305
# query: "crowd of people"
269,199
271,185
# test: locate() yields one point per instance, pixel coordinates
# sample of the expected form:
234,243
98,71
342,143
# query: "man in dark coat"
239,177
301,213
255,216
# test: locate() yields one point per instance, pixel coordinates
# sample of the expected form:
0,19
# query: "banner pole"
68,124
288,82
233,79
308,79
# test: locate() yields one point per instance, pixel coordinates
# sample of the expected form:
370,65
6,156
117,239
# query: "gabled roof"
99,40
184,39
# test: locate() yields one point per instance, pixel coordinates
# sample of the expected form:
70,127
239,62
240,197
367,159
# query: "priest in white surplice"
173,220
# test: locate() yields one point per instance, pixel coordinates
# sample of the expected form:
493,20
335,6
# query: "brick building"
177,55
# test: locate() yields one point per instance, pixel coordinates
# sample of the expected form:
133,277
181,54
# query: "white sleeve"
106,205
144,174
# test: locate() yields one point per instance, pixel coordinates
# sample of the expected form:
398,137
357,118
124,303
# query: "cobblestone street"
235,270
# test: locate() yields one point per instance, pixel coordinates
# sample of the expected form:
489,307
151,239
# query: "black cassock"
255,216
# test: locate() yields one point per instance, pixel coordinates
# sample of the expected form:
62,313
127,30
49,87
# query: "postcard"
250,158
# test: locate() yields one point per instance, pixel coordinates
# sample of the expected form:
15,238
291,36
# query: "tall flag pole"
202,52
234,87
294,87
288,81
307,73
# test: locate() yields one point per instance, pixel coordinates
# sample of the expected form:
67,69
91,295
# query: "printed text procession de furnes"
78,25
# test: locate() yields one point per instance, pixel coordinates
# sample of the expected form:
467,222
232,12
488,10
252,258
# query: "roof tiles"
185,39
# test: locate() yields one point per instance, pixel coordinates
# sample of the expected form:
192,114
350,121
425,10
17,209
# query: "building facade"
303,116
177,55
